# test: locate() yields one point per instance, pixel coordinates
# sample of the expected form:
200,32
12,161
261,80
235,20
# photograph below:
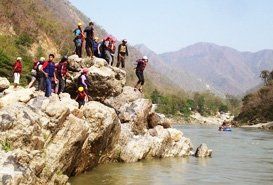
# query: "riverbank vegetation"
206,103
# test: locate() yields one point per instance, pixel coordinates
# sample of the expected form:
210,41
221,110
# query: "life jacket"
141,64
78,36
111,47
81,96
40,74
80,80
61,69
123,48
18,67
49,68
95,46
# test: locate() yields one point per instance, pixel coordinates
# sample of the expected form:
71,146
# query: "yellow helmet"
79,24
80,89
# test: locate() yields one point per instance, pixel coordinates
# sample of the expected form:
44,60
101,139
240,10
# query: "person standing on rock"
17,70
122,53
78,40
89,31
62,74
141,64
40,75
95,45
48,69
107,49
33,73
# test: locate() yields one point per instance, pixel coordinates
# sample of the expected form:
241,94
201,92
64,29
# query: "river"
243,157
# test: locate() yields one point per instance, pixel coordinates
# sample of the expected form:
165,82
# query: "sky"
169,25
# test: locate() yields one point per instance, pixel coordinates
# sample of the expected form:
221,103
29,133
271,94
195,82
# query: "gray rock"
203,151
4,84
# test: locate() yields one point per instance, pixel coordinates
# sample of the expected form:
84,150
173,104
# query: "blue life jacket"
50,69
95,45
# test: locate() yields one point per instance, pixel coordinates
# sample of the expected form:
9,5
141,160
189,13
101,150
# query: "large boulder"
4,84
163,143
128,95
106,81
104,132
203,151
136,113
66,140
155,119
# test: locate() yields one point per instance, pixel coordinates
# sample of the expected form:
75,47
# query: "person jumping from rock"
17,70
78,40
81,97
48,69
89,30
122,53
141,64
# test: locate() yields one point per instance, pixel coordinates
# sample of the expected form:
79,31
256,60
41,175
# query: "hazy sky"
168,25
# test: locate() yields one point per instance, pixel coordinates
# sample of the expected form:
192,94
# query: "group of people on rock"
51,77
105,49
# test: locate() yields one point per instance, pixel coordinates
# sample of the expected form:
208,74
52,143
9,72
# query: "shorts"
16,78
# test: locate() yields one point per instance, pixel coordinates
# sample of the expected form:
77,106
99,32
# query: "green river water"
243,157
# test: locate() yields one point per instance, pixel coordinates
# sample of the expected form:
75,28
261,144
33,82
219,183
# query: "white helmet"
145,58
42,59
19,58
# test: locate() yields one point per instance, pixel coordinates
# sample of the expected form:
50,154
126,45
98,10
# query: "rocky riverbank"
47,140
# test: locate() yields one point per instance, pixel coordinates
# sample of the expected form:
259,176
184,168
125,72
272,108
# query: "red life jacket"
18,67
81,95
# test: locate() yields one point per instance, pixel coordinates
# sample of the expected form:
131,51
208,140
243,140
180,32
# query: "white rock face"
4,84
162,143
46,140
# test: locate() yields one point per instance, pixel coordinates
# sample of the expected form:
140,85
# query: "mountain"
178,77
34,28
226,69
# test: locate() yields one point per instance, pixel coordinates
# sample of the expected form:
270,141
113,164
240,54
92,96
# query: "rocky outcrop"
46,140
203,151
4,84
106,81
157,142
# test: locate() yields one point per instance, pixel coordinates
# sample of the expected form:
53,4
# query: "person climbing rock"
141,64
122,53
95,45
78,40
40,75
83,80
48,69
17,70
81,96
62,74
89,31
33,73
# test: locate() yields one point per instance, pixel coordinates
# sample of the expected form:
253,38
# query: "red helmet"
85,70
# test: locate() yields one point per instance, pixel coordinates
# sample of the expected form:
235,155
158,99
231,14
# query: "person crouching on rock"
83,80
48,69
17,70
141,64
81,97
